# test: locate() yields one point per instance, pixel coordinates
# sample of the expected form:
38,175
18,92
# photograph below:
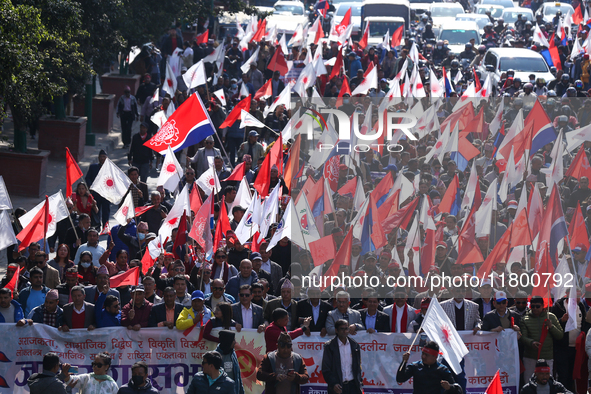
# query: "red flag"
202,38
467,150
429,248
390,206
12,285
349,187
577,17
521,233
195,199
322,250
498,254
494,386
342,257
319,33
277,62
237,174
293,162
476,82
223,225
449,198
401,218
338,65
383,188
554,53
363,41
147,262
265,91
462,116
234,115
476,126
276,153
258,36
36,229
345,89
181,235
378,237
128,278
141,210
469,252
397,37
331,172
580,166
73,172
345,22
578,229
263,179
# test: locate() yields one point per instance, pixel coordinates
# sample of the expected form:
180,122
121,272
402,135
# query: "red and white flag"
284,98
246,119
195,76
126,210
363,42
57,211
253,59
182,203
170,84
369,82
208,181
111,183
440,329
106,230
201,228
171,173
221,95
36,229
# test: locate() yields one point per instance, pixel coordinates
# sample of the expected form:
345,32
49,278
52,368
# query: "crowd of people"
262,287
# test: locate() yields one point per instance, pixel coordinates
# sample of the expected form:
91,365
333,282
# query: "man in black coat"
500,318
333,365
139,155
158,315
103,204
315,308
541,377
372,319
245,307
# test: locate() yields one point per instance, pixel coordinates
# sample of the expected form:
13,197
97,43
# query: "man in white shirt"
92,246
343,312
341,362
401,314
247,314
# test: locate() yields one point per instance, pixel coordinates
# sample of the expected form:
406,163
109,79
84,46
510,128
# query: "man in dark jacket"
139,382
127,111
542,381
160,312
48,380
139,155
372,319
305,308
500,318
103,204
221,383
333,366
429,376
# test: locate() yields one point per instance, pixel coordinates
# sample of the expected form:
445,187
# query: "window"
288,9
446,11
355,10
459,36
522,64
490,60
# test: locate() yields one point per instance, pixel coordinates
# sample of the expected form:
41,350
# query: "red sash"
403,321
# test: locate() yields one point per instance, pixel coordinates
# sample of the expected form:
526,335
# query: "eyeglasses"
244,295
221,257
536,306
98,365
520,302
179,269
217,288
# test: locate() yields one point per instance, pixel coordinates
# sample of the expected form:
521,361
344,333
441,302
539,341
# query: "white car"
502,3
480,19
444,12
495,10
458,34
287,15
523,61
355,15
549,10
510,15
422,6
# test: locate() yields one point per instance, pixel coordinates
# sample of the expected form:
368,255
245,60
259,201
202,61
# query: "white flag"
248,226
7,236
57,211
284,227
243,196
297,39
496,123
156,96
436,89
572,309
5,202
208,180
307,226
156,246
170,83
246,119
182,203
221,95
440,329
369,82
283,45
215,56
483,216
246,66
243,90
555,172
171,173
195,76
270,210
539,38
306,79
283,98
111,183
126,211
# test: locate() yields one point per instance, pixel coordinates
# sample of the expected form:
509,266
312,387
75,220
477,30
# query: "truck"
384,16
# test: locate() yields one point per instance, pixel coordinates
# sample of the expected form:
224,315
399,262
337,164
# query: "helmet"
551,93
517,80
563,119
510,71
565,109
550,102
424,17
500,20
455,63
564,78
518,101
428,25
571,92
553,70
541,80
528,86
579,84
481,49
440,43
468,46
488,25
528,23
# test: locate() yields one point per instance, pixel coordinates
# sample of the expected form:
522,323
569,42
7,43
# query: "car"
355,15
444,12
495,10
510,15
523,61
226,26
458,34
502,3
287,15
422,6
380,25
480,19
549,10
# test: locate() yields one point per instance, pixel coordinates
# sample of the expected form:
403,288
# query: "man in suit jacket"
500,317
165,313
343,312
315,308
286,302
244,308
333,365
400,313
372,319
78,313
462,313
51,276
102,280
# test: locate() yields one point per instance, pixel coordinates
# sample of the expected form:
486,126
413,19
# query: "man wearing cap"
442,261
541,381
78,313
282,370
429,376
136,313
102,283
341,362
399,313
373,320
196,314
343,311
501,318
580,261
127,111
286,302
370,267
200,161
48,313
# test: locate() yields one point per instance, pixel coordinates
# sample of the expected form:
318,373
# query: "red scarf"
402,321
226,271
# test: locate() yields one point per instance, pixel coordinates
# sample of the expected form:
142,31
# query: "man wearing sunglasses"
218,295
501,318
341,362
520,305
282,370
532,325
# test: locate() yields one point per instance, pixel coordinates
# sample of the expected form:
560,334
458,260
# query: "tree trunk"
60,109
20,133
